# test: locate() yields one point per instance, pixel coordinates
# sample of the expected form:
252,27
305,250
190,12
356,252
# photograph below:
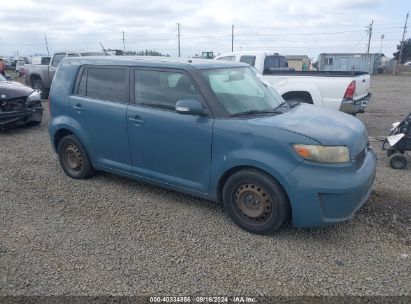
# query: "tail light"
349,93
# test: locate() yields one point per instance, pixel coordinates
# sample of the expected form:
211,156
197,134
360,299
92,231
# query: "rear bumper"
352,106
329,194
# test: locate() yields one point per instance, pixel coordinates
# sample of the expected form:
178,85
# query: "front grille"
14,104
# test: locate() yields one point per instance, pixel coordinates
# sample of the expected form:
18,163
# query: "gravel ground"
112,235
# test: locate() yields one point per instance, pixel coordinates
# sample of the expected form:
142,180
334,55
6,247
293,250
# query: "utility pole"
178,36
232,38
369,31
402,44
124,44
47,45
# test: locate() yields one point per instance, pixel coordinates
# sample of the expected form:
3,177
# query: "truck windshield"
240,91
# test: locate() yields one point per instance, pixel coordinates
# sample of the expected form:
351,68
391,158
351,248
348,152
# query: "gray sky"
285,26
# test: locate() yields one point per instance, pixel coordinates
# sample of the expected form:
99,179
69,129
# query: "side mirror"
190,107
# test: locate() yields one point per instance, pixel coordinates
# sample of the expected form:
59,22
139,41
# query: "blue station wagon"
211,129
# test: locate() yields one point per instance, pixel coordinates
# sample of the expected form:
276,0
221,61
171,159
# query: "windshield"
240,90
2,78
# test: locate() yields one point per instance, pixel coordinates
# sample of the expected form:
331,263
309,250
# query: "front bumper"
11,119
329,194
352,106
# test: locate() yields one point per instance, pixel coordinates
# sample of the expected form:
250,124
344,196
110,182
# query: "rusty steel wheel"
253,202
73,158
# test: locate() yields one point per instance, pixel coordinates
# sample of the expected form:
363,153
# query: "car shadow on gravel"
328,234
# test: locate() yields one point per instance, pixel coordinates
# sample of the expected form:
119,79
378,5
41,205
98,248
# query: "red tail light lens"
349,93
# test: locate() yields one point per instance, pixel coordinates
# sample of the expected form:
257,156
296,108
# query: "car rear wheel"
74,159
255,201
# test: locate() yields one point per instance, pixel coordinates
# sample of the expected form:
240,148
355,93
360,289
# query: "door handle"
136,120
78,107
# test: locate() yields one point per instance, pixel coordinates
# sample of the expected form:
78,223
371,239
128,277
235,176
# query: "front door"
166,146
98,111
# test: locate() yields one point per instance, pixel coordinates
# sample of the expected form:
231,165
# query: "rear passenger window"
162,90
103,83
248,59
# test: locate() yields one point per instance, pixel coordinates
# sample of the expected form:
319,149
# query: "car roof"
156,61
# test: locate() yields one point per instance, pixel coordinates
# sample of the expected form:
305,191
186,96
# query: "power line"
124,43
402,44
232,38
178,35
47,45
369,31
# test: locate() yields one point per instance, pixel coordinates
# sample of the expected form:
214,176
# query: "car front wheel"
74,159
256,202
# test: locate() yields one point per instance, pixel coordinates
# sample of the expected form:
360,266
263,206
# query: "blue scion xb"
211,129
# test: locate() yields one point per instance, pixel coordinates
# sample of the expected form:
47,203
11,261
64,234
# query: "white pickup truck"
344,91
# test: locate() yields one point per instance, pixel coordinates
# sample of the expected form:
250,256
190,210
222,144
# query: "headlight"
323,154
33,96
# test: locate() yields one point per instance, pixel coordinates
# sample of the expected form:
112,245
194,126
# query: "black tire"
390,152
255,201
398,161
38,85
74,159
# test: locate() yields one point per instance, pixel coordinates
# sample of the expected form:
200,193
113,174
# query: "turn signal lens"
323,154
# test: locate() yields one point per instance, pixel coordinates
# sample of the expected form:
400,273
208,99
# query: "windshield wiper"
253,112
281,105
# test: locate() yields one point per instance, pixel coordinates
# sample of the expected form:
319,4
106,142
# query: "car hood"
328,127
12,89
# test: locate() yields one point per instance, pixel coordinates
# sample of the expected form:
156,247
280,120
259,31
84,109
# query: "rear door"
98,111
166,146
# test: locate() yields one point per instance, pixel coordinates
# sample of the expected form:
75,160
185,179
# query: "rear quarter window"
103,83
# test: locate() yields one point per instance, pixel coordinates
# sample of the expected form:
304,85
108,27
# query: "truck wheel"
398,161
255,201
38,86
74,159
